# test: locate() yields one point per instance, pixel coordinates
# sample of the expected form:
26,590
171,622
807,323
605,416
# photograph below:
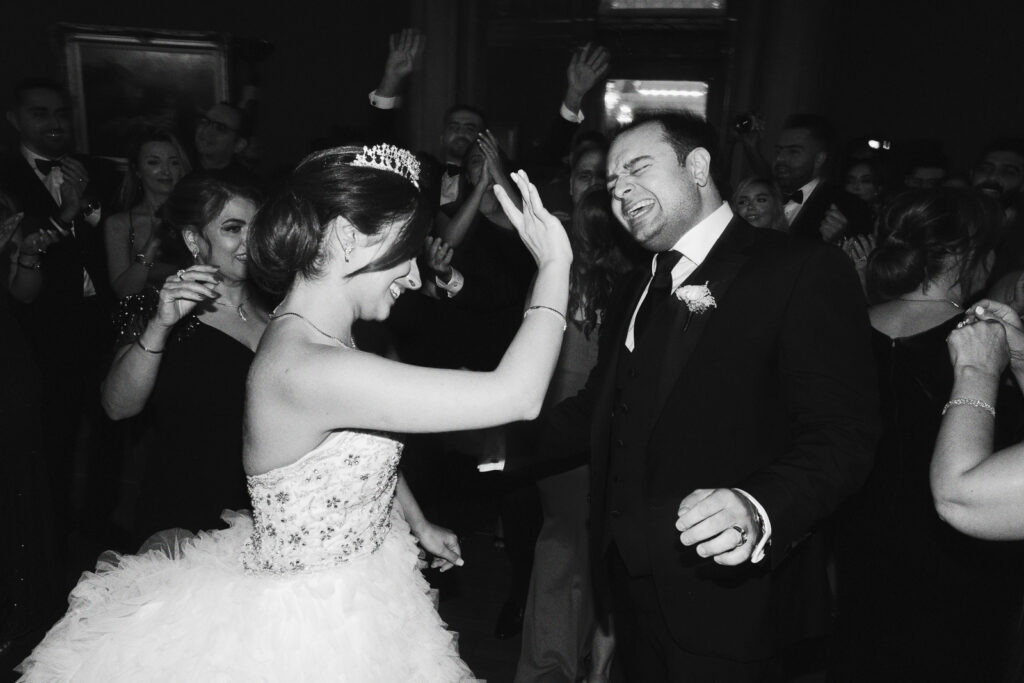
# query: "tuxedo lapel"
718,270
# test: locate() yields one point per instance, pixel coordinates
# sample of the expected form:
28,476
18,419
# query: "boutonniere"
698,298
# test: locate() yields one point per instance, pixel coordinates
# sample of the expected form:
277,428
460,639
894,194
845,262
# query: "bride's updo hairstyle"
289,234
924,233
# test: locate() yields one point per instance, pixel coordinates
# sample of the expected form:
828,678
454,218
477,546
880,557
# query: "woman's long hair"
598,258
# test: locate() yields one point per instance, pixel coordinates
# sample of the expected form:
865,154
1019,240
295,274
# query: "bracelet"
33,266
138,340
549,310
141,258
973,402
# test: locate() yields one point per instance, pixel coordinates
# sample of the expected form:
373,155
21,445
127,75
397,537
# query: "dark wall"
328,54
924,69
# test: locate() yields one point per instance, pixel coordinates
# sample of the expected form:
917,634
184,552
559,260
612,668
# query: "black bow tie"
797,197
47,165
452,170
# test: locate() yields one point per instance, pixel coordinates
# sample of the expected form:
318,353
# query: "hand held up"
542,233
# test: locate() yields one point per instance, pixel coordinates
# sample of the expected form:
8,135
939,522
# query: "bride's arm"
442,543
333,388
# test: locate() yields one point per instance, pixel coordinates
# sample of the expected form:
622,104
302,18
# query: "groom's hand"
708,516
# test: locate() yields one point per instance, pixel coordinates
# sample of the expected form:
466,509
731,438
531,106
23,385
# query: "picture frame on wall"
125,80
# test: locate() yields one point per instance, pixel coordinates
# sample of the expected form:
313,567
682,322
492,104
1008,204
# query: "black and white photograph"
512,341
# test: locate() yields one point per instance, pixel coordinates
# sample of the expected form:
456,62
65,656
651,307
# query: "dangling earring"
348,252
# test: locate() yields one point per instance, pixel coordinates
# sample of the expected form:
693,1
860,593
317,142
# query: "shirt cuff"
454,284
759,549
569,115
384,102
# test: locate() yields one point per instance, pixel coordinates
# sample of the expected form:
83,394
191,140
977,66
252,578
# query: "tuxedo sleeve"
828,382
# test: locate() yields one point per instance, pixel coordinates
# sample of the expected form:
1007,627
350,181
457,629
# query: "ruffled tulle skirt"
191,613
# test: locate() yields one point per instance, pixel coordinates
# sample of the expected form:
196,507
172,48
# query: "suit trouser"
558,621
645,647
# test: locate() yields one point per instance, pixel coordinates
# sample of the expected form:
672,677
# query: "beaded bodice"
330,506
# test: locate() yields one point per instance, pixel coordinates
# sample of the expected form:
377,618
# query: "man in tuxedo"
814,207
222,133
723,422
60,282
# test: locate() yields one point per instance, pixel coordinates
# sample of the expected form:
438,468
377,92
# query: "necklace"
238,309
351,344
934,301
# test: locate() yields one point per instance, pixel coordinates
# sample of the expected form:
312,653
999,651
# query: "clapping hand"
542,233
858,248
439,256
722,521
39,241
442,543
833,225
492,156
185,290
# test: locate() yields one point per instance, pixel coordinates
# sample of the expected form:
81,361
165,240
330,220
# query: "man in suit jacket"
815,208
59,278
723,422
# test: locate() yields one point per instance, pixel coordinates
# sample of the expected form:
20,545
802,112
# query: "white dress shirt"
695,245
790,209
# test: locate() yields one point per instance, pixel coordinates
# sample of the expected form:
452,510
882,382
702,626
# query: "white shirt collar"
31,157
696,243
807,189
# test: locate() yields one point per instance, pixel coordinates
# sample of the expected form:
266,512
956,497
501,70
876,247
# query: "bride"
322,583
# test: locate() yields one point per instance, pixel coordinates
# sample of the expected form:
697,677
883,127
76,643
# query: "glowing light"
669,92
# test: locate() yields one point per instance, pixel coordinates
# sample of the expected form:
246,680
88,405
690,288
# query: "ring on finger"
743,536
181,274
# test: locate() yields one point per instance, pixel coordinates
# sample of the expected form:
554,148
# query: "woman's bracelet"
138,340
973,402
550,311
30,266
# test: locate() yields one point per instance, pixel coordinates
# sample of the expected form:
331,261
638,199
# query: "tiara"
390,158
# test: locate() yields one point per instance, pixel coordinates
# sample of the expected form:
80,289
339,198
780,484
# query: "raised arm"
133,372
355,390
977,491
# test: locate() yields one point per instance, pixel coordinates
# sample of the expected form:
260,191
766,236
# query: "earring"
348,252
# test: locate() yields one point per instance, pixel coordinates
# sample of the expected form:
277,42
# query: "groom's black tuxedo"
771,392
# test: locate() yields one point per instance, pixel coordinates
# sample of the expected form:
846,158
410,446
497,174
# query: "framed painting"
123,80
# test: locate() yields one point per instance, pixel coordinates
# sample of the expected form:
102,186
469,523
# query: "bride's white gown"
320,585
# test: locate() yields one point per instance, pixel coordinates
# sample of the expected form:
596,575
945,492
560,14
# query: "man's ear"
13,120
698,163
241,144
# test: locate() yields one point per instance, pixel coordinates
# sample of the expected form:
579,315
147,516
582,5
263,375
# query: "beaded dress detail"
331,506
324,585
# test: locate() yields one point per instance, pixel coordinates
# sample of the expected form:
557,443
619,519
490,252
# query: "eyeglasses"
205,122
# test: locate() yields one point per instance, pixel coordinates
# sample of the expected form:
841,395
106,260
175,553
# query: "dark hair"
818,126
468,108
1004,144
131,185
585,142
597,258
288,233
685,131
245,124
920,230
193,204
36,83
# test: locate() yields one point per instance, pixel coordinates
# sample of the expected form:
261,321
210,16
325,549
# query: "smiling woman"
139,252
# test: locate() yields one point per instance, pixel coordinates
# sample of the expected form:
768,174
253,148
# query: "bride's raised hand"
540,231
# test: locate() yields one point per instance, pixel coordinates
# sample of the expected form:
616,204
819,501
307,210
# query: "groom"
723,422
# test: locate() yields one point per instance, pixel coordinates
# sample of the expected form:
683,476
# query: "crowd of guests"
129,322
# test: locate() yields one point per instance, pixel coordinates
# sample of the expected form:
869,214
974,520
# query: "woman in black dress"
184,356
917,599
